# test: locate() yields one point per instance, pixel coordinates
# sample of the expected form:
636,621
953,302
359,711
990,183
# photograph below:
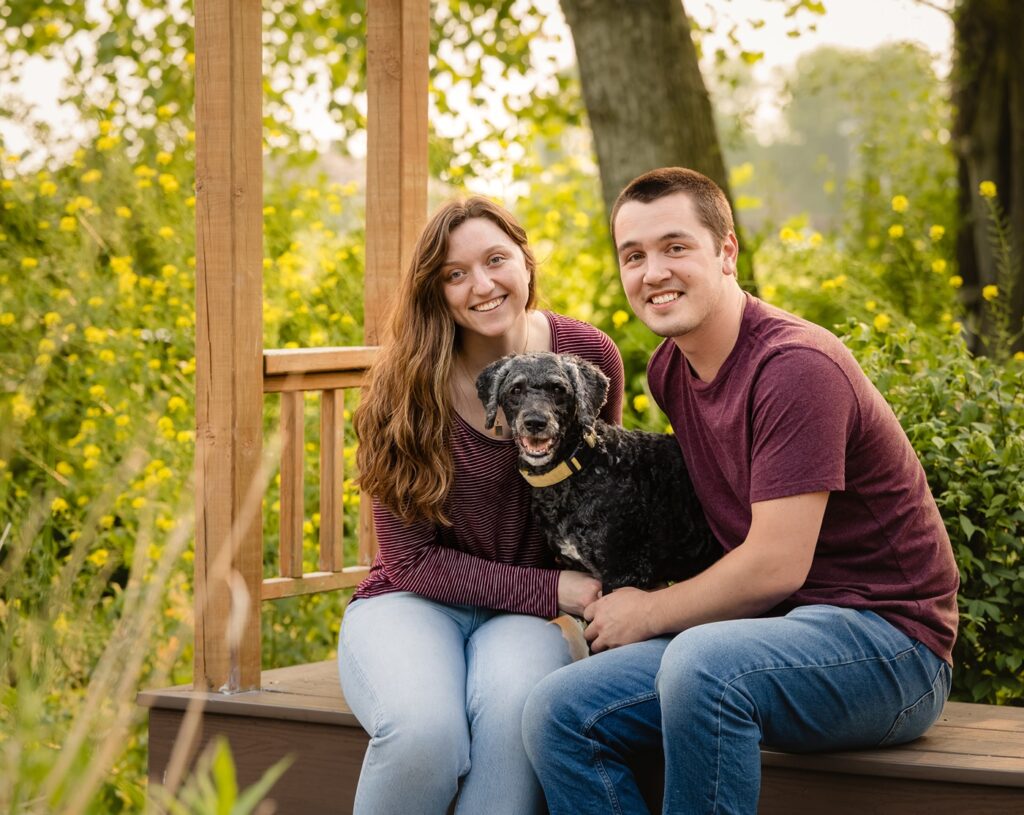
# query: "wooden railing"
293,373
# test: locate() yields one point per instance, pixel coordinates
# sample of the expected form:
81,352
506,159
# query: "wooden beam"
397,49
275,588
293,505
280,361
229,342
332,477
313,382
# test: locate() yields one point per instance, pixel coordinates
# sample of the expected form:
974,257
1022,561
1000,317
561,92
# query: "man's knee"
699,661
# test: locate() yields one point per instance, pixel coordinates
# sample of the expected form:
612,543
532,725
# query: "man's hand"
576,591
618,619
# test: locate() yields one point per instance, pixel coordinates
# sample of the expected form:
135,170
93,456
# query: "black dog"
616,503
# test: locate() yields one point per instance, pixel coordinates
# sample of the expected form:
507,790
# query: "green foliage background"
97,319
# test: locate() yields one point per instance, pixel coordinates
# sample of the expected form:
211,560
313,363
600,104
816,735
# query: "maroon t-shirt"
791,412
492,555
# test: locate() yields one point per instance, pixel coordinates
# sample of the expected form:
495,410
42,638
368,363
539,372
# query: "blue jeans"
819,678
441,689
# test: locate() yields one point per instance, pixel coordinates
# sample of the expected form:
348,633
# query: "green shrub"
965,418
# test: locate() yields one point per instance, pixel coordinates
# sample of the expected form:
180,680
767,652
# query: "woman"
448,634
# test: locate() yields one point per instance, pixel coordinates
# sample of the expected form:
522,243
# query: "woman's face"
484,278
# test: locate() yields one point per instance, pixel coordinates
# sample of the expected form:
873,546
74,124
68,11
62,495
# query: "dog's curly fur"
630,516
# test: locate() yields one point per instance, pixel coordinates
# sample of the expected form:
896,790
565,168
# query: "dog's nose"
534,423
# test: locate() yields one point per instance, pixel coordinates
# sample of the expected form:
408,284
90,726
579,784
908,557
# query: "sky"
859,24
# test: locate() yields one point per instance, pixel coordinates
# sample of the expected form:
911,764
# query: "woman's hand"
576,591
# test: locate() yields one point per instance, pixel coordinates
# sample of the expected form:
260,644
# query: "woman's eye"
496,259
455,274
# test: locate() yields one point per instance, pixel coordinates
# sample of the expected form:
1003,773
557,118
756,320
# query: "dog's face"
548,399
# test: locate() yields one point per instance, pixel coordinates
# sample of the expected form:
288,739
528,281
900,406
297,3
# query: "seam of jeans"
726,686
609,787
594,757
378,714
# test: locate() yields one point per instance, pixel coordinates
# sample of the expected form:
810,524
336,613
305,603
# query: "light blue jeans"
820,678
441,689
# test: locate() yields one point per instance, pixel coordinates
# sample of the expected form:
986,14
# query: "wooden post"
229,343
397,48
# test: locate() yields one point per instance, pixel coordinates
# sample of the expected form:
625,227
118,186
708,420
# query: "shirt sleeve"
803,414
414,559
611,365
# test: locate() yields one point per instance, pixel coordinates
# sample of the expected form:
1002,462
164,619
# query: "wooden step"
970,763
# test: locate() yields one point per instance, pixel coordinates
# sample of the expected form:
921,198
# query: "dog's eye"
558,390
516,390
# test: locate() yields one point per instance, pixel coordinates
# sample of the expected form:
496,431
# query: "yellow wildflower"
138,503
896,231
987,189
123,212
59,505
882,322
815,239
22,408
51,318
94,335
936,232
104,143
1019,356
105,127
956,281
97,391
900,203
48,189
939,266
99,557
788,235
620,318
169,182
165,111
165,232
46,345
641,403
990,293
871,305
68,223
7,318
64,468
163,157
91,176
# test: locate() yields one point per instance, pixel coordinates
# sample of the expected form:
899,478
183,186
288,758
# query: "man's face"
673,271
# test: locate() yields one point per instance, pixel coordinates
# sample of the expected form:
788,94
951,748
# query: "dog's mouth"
536,449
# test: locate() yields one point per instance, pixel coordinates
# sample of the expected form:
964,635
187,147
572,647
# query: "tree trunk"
644,92
988,94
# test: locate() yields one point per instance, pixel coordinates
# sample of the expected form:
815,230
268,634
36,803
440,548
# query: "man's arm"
769,566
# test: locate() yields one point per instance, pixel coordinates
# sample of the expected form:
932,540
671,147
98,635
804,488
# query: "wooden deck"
970,763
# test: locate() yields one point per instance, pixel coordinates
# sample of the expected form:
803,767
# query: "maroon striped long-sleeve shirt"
492,555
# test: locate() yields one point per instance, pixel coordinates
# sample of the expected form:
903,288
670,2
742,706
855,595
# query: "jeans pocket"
915,720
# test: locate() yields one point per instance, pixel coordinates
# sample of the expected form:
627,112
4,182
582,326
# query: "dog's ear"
591,387
488,386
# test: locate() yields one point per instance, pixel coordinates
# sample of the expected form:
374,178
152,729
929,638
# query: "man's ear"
591,387
488,386
730,254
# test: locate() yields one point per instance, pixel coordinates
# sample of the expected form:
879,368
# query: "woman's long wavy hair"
403,421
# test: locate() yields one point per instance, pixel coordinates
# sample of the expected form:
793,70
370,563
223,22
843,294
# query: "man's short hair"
708,199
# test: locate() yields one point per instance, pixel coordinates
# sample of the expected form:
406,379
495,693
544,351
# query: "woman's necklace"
471,382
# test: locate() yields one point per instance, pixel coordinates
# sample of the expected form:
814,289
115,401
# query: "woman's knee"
424,742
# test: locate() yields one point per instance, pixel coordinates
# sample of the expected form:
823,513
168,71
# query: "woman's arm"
413,560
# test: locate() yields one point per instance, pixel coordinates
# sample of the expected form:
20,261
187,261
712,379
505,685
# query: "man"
829,621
